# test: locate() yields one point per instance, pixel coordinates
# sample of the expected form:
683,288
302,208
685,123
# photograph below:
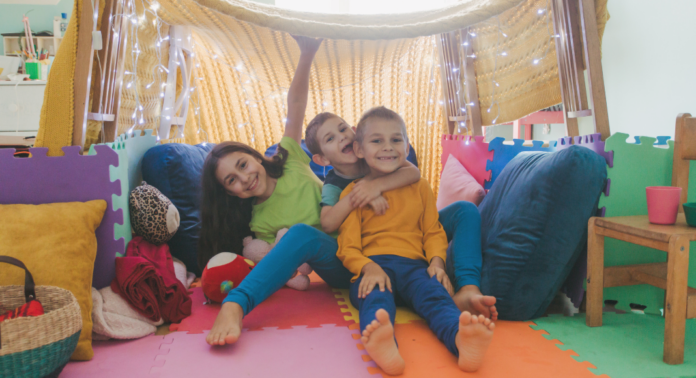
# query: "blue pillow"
321,171
175,169
534,226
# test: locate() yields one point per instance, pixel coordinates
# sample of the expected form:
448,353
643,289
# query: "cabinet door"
20,107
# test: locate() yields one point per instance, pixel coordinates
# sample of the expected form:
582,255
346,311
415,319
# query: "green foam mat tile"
636,166
136,146
626,345
121,231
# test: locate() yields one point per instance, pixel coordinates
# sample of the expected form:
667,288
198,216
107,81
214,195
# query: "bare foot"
474,337
228,325
469,298
378,338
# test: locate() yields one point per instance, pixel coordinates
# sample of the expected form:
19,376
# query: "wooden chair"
680,300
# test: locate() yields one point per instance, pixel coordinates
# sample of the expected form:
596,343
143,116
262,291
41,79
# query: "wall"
40,19
648,66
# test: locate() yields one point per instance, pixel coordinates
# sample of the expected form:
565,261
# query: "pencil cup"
663,204
33,70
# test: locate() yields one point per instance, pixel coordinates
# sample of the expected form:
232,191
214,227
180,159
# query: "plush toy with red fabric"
224,272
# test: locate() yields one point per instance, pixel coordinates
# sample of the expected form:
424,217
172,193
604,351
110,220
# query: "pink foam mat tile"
284,309
472,152
302,352
121,358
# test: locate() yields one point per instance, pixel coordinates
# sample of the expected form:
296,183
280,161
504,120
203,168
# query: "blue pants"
305,244
413,287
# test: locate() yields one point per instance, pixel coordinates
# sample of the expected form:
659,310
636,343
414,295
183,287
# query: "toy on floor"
153,215
256,249
224,272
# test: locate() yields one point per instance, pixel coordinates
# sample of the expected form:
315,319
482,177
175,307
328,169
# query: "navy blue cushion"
175,169
534,226
321,171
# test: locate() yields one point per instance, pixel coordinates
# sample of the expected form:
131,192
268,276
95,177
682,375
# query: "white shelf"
11,44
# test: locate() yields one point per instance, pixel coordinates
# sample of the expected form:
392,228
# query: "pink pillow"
457,184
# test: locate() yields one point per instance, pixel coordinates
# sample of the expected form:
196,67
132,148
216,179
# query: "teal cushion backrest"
175,169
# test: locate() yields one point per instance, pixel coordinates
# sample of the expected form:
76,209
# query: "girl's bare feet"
378,338
474,337
469,298
228,325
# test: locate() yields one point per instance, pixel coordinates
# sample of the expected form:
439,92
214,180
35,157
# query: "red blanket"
145,278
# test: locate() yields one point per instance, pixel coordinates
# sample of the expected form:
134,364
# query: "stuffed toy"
224,272
256,249
153,216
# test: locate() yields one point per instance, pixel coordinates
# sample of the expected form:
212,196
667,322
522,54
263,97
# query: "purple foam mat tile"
607,188
328,351
121,358
70,178
592,141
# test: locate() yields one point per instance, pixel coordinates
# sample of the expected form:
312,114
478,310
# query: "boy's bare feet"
473,339
228,325
378,338
469,298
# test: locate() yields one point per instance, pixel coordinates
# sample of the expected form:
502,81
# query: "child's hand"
379,205
373,274
363,193
437,268
307,45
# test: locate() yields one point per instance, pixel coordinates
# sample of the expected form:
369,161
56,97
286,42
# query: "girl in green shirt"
244,192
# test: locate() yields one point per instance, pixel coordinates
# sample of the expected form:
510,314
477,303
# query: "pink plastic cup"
663,204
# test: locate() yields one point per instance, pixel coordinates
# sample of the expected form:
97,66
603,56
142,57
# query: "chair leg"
675,299
595,275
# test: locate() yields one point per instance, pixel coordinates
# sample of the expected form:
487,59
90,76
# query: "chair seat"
638,225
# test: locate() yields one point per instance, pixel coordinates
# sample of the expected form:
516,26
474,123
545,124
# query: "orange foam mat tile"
516,351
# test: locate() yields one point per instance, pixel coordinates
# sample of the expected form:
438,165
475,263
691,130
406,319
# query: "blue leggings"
413,287
305,244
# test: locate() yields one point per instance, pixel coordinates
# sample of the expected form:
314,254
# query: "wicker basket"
37,346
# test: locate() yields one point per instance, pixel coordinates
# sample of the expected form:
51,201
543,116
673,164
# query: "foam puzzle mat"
626,346
120,174
68,178
314,333
638,162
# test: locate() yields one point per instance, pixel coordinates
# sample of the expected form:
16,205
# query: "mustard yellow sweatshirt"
410,228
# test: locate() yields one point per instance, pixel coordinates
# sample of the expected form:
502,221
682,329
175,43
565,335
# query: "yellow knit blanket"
245,60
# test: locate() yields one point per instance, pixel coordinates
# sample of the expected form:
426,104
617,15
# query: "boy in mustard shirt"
400,251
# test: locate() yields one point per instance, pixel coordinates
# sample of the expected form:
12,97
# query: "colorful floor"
314,334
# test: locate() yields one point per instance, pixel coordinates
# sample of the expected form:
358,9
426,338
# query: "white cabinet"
20,107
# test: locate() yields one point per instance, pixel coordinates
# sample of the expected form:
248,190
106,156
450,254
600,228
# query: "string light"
552,35
150,9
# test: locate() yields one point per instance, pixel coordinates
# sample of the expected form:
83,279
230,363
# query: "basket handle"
29,292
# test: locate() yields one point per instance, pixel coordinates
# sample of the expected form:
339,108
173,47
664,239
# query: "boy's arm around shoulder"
434,236
333,216
366,191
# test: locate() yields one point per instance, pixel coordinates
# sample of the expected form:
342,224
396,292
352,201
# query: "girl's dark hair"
225,218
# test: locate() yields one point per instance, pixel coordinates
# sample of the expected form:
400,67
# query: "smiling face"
243,176
335,139
383,147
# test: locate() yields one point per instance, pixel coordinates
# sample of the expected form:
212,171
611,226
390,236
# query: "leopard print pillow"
153,216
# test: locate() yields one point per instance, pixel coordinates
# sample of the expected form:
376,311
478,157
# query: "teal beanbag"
534,226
